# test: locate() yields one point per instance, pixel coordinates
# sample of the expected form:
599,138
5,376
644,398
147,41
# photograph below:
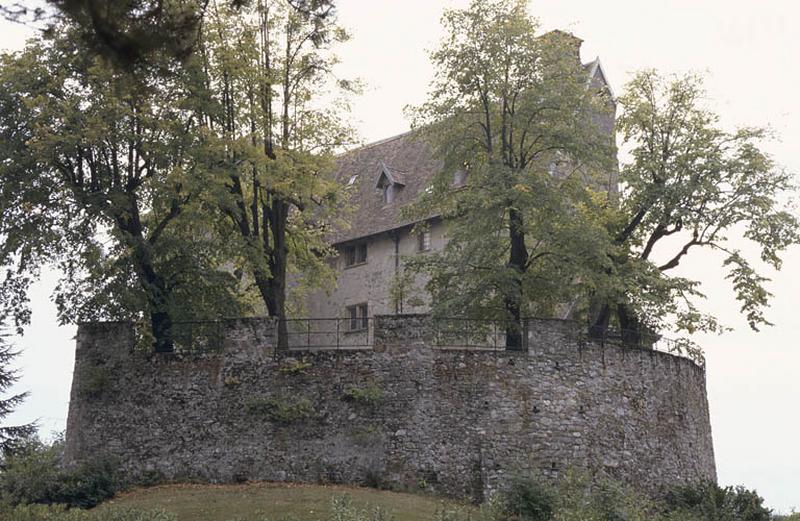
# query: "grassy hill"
275,501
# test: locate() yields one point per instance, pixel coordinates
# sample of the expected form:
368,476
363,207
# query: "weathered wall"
457,422
371,282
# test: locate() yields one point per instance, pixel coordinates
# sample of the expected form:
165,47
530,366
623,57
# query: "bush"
707,501
281,410
342,509
370,394
529,500
61,513
35,474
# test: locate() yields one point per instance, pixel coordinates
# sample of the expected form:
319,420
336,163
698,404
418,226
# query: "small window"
355,254
352,180
357,317
424,241
388,193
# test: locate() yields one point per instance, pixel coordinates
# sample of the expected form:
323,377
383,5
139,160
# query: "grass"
254,501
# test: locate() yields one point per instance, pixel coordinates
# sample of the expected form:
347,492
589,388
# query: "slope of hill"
258,501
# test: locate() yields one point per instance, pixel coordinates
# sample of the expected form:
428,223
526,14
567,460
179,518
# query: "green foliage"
102,181
691,185
281,410
272,123
343,509
35,474
10,435
295,367
708,501
370,394
61,513
529,500
577,498
511,110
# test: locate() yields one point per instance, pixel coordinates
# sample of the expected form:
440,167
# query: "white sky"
751,53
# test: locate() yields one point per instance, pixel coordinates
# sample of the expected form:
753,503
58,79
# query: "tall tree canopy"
516,115
133,33
690,185
272,126
99,176
10,435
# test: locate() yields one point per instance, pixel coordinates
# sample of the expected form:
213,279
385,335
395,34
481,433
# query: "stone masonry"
402,414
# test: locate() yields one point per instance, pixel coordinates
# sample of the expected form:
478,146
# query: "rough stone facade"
401,414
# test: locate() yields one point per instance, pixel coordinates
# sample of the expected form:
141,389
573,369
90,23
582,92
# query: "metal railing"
325,334
638,339
329,333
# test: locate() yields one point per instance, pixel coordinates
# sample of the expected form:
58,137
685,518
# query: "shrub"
707,501
342,509
61,513
370,394
35,474
529,500
281,410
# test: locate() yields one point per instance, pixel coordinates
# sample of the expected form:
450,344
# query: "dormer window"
389,183
387,192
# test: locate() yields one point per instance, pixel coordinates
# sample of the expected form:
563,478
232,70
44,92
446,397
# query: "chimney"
565,39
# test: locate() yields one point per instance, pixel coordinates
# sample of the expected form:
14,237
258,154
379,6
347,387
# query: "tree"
516,114
132,32
10,435
690,185
99,179
271,135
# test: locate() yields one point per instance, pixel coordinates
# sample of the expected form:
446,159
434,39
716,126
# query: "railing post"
337,333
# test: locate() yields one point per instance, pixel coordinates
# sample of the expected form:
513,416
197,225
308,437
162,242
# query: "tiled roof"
408,162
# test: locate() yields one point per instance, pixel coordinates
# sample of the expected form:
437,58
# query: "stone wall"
402,414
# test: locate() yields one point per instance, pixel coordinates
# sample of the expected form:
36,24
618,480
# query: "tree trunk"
517,262
275,298
161,323
630,327
153,283
599,328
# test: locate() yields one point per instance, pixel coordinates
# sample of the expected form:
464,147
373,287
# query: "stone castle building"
397,407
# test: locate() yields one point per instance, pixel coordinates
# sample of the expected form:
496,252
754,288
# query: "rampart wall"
402,414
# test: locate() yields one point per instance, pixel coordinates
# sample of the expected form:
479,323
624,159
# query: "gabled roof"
412,165
392,175
404,160
598,76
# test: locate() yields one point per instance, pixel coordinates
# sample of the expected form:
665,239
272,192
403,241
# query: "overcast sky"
751,54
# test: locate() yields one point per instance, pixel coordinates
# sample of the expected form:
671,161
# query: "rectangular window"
355,254
424,239
357,317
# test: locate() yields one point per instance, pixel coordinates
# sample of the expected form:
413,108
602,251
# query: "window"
355,254
388,193
424,239
357,317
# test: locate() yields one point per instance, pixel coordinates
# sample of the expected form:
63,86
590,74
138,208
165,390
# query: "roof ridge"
379,142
